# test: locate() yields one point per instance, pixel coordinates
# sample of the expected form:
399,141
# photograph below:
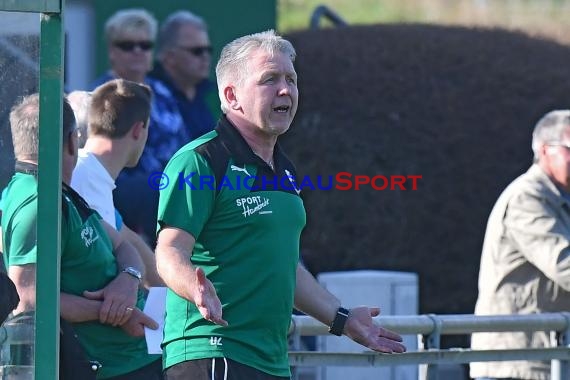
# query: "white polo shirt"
94,183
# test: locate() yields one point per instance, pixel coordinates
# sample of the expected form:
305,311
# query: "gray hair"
25,123
80,101
550,129
233,63
128,20
168,35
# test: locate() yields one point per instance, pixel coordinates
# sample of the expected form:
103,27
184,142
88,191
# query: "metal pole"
296,346
49,197
434,341
560,368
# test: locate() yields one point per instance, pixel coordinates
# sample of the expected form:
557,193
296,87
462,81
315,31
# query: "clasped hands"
118,305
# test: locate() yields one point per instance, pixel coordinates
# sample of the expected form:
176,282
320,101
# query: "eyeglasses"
197,51
131,45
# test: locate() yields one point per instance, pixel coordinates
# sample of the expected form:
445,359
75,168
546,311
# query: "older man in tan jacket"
525,264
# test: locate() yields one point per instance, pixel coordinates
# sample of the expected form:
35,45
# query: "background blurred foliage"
535,17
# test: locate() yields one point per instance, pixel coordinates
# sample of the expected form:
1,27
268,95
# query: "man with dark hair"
100,294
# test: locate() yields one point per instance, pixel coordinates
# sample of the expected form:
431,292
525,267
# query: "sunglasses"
131,45
198,51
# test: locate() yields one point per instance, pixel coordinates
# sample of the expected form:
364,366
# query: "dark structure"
452,104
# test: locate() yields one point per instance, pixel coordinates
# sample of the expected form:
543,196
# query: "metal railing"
430,328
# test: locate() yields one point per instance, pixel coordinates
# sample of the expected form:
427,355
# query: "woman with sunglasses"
130,35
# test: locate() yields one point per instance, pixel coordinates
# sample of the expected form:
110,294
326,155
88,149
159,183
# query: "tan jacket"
525,268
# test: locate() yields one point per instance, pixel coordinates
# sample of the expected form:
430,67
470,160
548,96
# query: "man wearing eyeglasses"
184,60
525,264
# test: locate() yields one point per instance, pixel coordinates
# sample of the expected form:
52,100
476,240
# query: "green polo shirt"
247,241
19,219
87,263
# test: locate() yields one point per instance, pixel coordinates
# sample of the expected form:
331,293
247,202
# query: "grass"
296,14
536,17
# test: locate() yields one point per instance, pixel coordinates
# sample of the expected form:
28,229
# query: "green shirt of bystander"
87,263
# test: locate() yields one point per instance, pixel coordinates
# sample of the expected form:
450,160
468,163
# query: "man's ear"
72,143
231,97
137,129
548,150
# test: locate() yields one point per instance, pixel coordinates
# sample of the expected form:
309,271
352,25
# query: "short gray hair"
80,101
25,125
233,63
127,20
168,35
550,129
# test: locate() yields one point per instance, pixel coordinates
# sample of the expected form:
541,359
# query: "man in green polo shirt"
100,293
230,221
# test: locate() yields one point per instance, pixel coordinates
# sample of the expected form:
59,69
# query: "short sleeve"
23,234
188,199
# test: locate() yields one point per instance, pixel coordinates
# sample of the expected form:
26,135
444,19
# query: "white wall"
79,21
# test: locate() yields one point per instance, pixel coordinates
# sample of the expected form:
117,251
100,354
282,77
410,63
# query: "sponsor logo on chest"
253,205
89,235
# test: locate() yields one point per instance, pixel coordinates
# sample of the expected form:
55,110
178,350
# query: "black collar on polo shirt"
26,168
243,154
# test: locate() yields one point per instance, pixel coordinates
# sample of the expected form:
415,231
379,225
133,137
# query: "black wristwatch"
133,272
337,325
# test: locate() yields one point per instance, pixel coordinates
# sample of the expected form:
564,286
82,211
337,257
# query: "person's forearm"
24,278
312,299
78,309
151,277
127,256
175,268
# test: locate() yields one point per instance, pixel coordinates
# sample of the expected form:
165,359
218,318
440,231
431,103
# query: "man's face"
191,58
131,54
268,96
556,158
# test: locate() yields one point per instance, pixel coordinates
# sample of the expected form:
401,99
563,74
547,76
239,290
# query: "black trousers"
216,369
152,371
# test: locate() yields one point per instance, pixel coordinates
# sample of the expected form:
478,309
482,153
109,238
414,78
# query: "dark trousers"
216,369
152,371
